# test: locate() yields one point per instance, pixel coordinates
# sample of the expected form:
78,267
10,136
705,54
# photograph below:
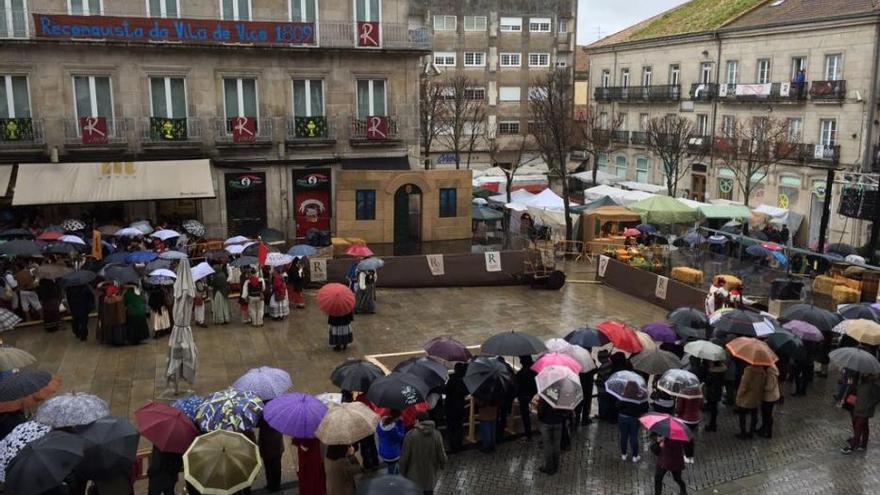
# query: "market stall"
603,227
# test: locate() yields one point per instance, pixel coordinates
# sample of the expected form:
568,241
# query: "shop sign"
493,261
247,181
313,181
93,130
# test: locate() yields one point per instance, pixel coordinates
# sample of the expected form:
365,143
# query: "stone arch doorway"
407,219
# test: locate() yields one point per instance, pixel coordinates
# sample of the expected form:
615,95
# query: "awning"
5,174
54,183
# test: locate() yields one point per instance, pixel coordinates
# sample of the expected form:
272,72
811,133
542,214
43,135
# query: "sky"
611,16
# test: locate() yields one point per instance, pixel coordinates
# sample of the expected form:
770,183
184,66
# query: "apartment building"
812,64
505,47
272,97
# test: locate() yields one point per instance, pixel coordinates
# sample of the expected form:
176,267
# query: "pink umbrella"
631,232
666,426
771,246
359,250
804,330
556,359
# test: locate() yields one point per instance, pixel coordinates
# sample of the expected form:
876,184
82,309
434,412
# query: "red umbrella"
359,250
771,246
408,415
336,299
50,236
621,336
168,428
666,426
630,232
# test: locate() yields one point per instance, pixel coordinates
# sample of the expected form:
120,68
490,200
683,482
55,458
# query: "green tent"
479,192
664,210
725,211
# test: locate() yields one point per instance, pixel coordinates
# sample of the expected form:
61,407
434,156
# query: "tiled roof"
802,11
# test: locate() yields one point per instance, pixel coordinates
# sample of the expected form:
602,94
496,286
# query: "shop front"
245,203
312,200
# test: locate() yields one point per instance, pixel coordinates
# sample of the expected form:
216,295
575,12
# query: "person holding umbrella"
220,302
770,398
526,389
341,467
423,455
135,315
81,300
630,409
296,282
749,396
49,296
714,389
867,397
338,302
670,459
390,433
279,305
252,292
454,406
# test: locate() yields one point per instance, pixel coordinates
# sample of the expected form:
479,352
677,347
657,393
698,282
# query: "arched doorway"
407,219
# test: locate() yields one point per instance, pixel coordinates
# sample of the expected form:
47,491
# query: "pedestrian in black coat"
163,472
454,404
81,302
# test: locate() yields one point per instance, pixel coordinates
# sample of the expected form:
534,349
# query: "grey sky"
613,15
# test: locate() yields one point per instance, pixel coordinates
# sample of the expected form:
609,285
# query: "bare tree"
518,148
596,131
751,146
430,106
675,141
551,107
461,120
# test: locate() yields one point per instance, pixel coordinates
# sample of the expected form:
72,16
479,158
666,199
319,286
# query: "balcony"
762,93
93,133
638,138
620,137
875,161
242,131
160,132
704,91
21,135
828,91
700,144
391,36
828,154
374,131
639,94
307,132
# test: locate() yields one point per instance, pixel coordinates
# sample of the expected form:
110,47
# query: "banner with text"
317,270
435,263
493,261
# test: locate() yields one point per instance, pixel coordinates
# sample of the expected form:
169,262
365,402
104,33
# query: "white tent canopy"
518,196
547,200
641,186
781,216
618,195
601,177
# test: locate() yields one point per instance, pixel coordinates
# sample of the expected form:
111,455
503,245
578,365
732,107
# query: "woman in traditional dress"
340,331
310,466
252,292
296,282
220,302
159,320
135,315
111,314
366,292
279,306
199,301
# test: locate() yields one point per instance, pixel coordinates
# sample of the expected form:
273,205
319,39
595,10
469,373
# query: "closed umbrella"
13,358
804,330
110,448
744,323
189,405
335,299
587,338
388,484
513,344
627,386
295,414
430,370
265,382
667,426
20,247
822,319
397,390
864,331
302,251
655,361
346,424
72,409
194,227
371,263
166,427
621,336
44,463
221,463
855,359
183,357
560,387
489,379
556,359
231,410
355,375
860,311
703,349
8,320
26,387
79,277
661,332
359,250
448,348
752,351
16,440
680,383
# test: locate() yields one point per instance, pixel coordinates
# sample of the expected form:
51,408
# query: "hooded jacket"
390,437
423,455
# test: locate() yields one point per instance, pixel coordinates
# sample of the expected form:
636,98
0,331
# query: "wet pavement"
803,457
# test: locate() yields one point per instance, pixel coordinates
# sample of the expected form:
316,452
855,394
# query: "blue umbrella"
231,410
693,238
757,251
780,258
371,264
141,257
646,228
188,405
302,251
115,258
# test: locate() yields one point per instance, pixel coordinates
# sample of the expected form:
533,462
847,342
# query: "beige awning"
53,183
5,175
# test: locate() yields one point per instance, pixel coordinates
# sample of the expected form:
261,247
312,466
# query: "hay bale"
823,284
687,275
730,281
845,295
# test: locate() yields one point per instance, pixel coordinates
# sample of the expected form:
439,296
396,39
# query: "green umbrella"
479,192
483,214
664,210
221,462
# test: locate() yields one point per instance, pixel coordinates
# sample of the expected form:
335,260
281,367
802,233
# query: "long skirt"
199,314
340,335
279,307
51,314
159,320
136,328
296,297
220,308
366,300
255,310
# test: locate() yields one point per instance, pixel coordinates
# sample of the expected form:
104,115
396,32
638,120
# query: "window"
797,64
448,202
444,59
606,78
795,129
563,26
367,10
647,76
474,59
365,204
163,8
303,10
511,24
14,100
539,60
763,71
308,98
642,170
674,74
93,97
370,97
828,132
728,124
706,72
643,122
620,167
475,93
85,7
622,118
444,23
602,161
537,93
13,19
235,10
511,60
475,23
702,124
240,97
508,127
624,78
833,67
168,97
732,71
509,93
725,188
539,25
603,121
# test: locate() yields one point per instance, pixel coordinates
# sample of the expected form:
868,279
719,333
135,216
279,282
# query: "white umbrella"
480,201
239,239
129,232
578,353
183,357
201,271
278,259
142,225
165,234
163,272
172,255
72,239
234,248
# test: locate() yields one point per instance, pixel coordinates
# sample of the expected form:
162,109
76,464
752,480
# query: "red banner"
244,129
377,127
311,200
93,130
368,34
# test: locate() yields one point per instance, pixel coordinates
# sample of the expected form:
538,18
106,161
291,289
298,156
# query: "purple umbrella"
265,382
804,330
448,348
661,332
296,415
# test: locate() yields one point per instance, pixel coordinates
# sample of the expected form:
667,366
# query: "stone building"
740,63
276,96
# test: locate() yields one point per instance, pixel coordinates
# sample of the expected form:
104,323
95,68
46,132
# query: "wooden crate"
687,275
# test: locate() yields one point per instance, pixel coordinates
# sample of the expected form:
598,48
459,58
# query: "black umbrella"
16,234
513,344
841,249
431,371
217,255
19,247
787,344
488,379
26,387
744,323
820,318
587,338
389,484
855,359
79,277
115,258
61,248
688,317
121,274
110,448
253,250
355,375
271,235
244,261
860,311
397,391
44,463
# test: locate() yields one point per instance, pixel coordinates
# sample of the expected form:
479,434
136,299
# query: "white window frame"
474,18
674,74
239,89
236,15
511,124
728,125
86,10
510,24
445,18
831,133
475,90
540,25
475,55
303,9
606,78
539,56
509,89
706,72
510,55
371,109
10,27
93,97
445,56
624,77
618,167
168,99
796,138
647,75
646,170
562,26
643,122
163,9
838,67
794,66
308,89
10,96
762,76
703,124
731,73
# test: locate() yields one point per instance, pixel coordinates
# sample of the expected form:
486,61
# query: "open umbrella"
245,261
667,426
18,247
221,463
234,248
166,427
109,230
786,344
194,227
165,234
230,409
302,251
627,386
16,440
183,356
703,349
26,234
513,344
271,236
841,249
110,448
141,257
129,232
752,351
719,239
822,319
646,228
188,405
621,336
13,358
661,332
371,263
201,271
142,225
757,251
587,338
346,424
60,248
238,239
855,359
79,277
806,331
693,238
388,484
265,382
335,299
72,409
680,383
631,232
172,255
556,359
397,390
278,259
557,344
448,348
114,259
162,272
72,224
359,250
688,317
488,378
655,361
43,464
355,375
72,239
645,341
744,323
8,320
860,311
560,387
123,274
429,369
295,414
864,331
26,387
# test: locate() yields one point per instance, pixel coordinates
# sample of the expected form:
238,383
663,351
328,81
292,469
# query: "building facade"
279,95
505,48
812,65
